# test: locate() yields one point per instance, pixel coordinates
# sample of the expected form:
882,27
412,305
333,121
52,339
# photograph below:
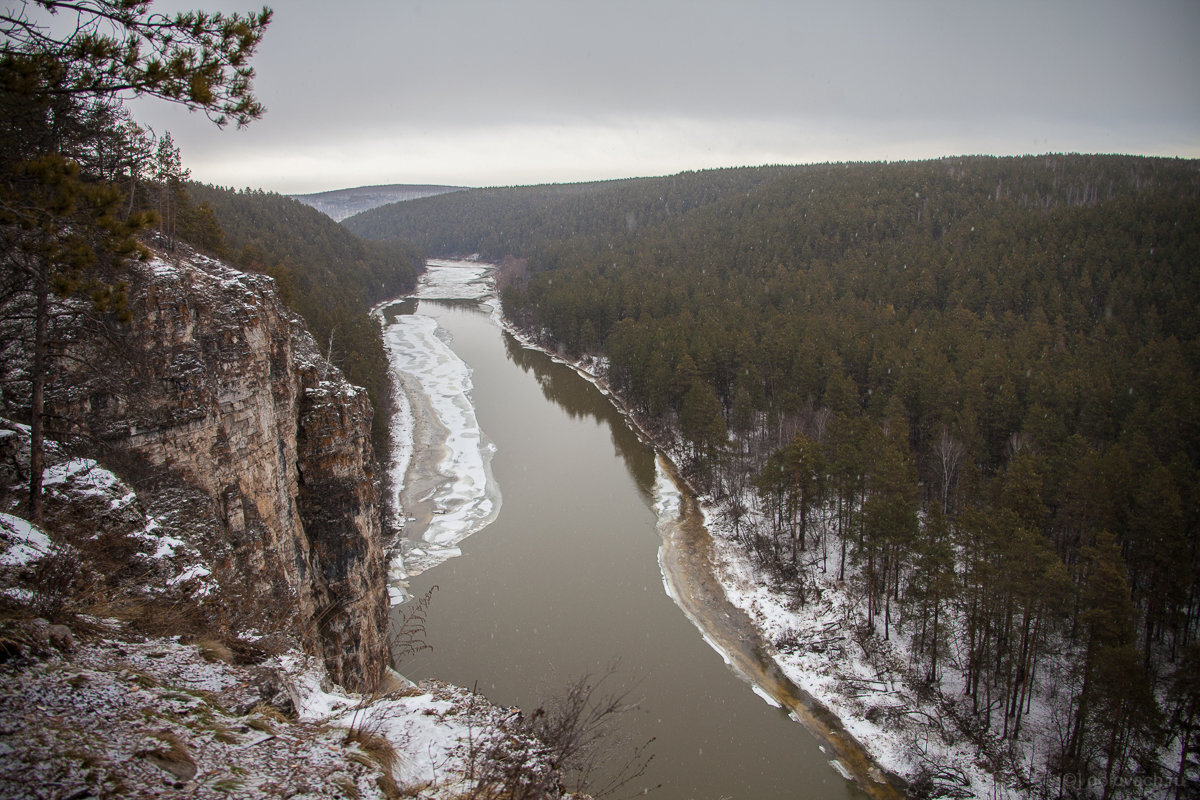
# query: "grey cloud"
923,69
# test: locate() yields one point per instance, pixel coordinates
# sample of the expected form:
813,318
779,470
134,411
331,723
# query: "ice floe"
436,384
456,280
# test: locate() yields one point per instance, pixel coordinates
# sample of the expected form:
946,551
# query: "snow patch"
195,573
161,268
25,543
668,500
771,701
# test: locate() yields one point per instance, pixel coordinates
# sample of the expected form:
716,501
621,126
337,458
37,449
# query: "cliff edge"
204,608
243,445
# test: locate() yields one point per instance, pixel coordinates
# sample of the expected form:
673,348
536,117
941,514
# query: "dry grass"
376,752
272,713
173,758
266,718
348,787
374,745
151,616
213,649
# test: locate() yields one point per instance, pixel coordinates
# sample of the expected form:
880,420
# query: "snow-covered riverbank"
850,690
709,592
849,693
438,418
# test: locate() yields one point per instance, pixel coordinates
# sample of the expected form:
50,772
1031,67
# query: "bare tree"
949,453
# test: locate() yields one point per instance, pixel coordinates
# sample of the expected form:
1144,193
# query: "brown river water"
567,580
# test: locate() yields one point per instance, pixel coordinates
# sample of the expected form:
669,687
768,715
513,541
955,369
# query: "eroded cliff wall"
215,402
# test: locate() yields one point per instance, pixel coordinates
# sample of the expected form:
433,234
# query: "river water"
561,576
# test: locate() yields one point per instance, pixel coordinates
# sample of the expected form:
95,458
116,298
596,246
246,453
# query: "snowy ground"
97,708
816,647
456,483
111,714
869,683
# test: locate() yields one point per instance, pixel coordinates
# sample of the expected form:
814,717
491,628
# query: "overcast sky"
502,92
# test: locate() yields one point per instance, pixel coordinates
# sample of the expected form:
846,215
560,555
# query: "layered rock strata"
216,405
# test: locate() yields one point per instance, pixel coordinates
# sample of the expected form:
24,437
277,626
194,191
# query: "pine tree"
168,171
60,88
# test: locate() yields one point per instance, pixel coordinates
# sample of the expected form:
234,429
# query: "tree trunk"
37,400
871,590
933,662
1182,777
887,596
843,512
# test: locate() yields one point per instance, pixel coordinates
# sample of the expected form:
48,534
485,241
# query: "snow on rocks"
103,507
434,727
22,543
98,709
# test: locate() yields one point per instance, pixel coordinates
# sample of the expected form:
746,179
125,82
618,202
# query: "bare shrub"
575,739
54,581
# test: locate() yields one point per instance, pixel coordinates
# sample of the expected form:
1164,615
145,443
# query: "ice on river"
461,495
668,500
456,280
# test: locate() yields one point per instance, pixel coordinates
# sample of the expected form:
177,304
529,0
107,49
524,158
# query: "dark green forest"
323,272
981,373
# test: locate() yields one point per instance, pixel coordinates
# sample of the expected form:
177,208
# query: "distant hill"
342,203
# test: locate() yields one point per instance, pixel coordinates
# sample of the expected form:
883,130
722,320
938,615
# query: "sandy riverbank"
690,575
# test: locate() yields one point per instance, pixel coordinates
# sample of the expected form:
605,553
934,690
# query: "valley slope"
946,410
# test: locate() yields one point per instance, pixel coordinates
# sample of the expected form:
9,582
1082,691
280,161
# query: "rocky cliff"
244,443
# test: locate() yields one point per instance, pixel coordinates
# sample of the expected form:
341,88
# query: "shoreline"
441,487
688,562
692,579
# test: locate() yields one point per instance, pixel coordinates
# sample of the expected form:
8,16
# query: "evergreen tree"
61,86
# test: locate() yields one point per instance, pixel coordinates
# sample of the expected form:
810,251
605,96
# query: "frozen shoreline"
440,472
694,567
432,416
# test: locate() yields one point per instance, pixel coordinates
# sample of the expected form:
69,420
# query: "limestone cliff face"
215,402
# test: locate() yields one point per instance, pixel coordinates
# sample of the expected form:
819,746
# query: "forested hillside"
326,274
982,372
516,221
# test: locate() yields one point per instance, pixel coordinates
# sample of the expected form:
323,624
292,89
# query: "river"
562,576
